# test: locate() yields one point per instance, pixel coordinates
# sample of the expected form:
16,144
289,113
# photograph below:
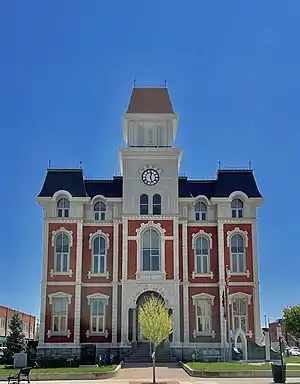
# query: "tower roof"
150,100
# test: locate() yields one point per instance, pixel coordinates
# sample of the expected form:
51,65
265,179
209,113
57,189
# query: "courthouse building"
110,243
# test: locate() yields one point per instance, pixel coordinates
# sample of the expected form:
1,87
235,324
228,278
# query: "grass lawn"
229,367
7,371
292,359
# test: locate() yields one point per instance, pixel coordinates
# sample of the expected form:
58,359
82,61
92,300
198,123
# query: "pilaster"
114,321
125,309
78,282
185,275
221,280
256,301
44,283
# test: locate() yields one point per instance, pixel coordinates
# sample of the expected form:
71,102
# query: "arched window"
144,205
99,255
156,204
62,253
140,136
237,254
160,136
240,314
150,136
99,211
62,207
237,208
202,262
200,211
97,316
150,250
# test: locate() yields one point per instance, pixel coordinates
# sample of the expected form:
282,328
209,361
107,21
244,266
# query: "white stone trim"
256,301
62,230
125,248
201,233
203,296
196,275
201,198
239,231
105,274
99,232
51,333
114,316
239,295
185,275
44,283
62,193
77,310
60,295
238,195
97,296
98,198
67,273
176,249
161,274
221,257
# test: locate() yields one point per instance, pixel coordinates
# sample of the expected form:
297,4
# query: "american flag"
227,278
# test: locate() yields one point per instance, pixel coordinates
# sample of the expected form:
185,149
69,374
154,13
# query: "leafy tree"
15,340
155,322
291,320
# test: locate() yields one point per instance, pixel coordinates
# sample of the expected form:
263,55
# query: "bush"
58,363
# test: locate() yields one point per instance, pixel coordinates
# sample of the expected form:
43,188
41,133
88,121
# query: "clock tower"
150,163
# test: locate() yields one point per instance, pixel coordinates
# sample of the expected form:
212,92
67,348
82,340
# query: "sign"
278,333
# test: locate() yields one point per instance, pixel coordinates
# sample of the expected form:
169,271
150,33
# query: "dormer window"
99,211
237,208
200,211
63,207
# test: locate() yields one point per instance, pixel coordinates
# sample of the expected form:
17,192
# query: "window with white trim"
237,254
99,255
98,308
99,211
240,314
62,253
150,250
62,208
202,262
237,209
144,204
203,316
156,204
60,314
2,322
200,211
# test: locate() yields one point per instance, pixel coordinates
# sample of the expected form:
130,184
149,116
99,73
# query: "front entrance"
134,331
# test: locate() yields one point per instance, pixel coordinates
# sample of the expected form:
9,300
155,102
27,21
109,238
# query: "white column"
78,283
124,314
176,318
221,280
114,321
133,324
44,284
186,327
256,301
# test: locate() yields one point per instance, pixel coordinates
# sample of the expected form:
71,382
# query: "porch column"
133,324
124,327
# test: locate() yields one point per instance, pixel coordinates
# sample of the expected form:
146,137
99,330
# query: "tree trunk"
153,364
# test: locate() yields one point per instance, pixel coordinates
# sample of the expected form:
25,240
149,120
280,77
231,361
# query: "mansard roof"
72,180
150,100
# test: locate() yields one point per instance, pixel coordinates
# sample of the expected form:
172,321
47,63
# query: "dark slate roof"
106,188
72,180
150,100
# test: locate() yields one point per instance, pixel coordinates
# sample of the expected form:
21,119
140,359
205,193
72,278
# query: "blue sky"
67,70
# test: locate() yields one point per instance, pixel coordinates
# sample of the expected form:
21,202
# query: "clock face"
150,177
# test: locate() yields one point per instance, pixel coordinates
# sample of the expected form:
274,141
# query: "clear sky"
66,73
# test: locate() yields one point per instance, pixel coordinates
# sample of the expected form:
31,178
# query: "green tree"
155,323
291,320
15,340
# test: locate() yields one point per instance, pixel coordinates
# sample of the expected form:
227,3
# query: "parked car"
294,351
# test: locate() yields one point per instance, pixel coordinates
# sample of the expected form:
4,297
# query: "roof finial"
219,162
80,164
49,164
134,82
165,82
250,164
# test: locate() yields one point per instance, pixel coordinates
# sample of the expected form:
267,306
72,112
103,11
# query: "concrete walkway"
172,372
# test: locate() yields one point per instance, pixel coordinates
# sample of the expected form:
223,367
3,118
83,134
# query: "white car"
294,351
